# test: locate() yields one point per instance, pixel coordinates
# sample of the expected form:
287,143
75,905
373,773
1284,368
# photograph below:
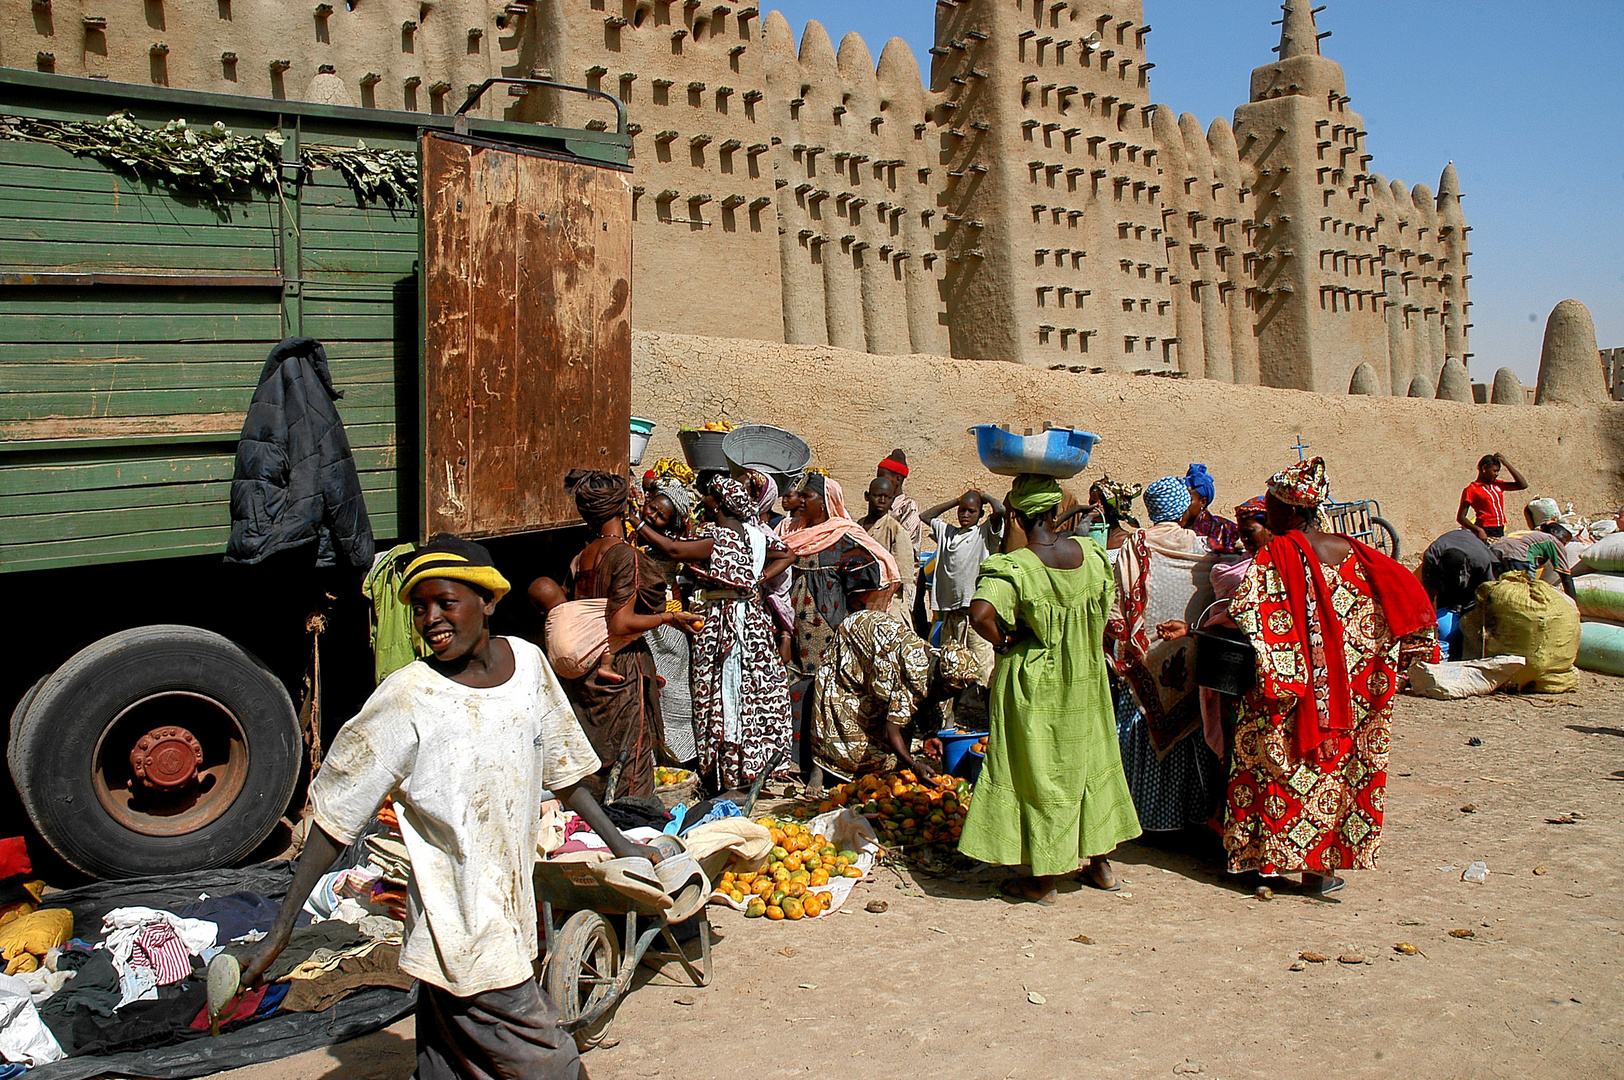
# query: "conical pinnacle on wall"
1298,34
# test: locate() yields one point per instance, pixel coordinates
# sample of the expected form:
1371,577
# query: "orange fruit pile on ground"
904,811
801,862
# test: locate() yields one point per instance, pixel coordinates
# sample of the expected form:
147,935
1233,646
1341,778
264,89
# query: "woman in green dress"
1052,792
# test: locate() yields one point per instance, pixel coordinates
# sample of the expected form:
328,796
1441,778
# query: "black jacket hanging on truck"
295,481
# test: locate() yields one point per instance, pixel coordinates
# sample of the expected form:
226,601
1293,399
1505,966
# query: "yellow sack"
26,938
1519,615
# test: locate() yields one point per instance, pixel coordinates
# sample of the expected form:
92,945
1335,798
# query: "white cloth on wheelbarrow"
633,877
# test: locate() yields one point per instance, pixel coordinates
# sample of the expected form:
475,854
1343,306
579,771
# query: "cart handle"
479,91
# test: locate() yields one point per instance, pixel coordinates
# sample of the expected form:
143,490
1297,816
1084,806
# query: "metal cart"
586,971
1362,520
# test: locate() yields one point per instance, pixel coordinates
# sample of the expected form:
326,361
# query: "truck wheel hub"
166,758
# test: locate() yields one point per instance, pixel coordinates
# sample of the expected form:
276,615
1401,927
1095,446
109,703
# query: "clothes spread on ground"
960,550
1052,790
378,966
394,638
635,813
143,937
233,915
26,939
94,990
295,481
466,767
1452,568
23,1035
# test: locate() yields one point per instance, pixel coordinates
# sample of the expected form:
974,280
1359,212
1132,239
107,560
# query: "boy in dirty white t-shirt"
466,743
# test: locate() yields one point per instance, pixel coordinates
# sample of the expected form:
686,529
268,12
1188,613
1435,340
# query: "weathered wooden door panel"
527,333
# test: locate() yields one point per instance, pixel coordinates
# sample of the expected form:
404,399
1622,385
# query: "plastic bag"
846,829
1463,679
1606,555
1601,647
1600,596
1519,615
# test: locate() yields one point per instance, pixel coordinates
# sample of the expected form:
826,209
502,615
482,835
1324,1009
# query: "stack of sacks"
1599,585
1519,615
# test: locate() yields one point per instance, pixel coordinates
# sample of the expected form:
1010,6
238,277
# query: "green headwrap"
1033,496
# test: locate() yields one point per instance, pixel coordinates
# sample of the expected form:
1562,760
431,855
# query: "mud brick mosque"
1032,204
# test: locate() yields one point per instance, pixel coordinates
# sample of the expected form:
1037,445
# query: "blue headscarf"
1200,482
1167,499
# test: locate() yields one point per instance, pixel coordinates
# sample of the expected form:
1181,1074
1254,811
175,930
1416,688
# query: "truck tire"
156,750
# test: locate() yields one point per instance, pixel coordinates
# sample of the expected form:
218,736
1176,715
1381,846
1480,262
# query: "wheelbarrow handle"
614,776
761,778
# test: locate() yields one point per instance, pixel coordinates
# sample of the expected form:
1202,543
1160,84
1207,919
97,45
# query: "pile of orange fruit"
904,811
801,862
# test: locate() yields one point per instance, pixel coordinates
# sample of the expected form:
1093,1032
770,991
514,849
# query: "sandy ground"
1188,975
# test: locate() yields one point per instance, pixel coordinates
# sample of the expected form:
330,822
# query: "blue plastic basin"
956,748
1059,452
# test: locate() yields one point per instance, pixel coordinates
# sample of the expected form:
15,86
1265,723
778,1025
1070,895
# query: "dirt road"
1186,974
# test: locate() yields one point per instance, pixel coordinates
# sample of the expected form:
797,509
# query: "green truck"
470,280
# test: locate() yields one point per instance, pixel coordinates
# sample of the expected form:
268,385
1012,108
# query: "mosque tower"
1049,188
1347,268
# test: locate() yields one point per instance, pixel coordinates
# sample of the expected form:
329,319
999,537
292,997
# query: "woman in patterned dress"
1335,624
740,697
835,561
1176,779
875,678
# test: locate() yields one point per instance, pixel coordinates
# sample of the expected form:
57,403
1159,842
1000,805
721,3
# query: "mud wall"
1414,456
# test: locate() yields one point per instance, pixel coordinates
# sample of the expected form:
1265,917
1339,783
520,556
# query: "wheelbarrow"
587,970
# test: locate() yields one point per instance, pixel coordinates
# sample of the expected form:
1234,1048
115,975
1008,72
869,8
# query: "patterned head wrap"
454,559
680,495
670,468
1167,499
763,489
1303,484
1254,507
815,481
1200,481
734,497
599,496
1033,496
1119,497
956,664
1543,510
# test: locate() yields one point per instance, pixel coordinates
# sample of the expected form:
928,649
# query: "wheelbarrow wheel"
1383,537
581,972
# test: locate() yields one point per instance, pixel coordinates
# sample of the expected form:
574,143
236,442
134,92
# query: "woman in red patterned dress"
1335,624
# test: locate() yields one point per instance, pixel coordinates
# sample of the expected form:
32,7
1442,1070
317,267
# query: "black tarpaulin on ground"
278,1036
89,903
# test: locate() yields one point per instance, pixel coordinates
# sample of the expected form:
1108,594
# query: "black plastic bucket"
1225,661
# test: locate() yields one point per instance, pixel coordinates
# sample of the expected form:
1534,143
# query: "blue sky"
1527,98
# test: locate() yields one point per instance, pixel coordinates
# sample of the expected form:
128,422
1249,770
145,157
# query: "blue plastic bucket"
970,767
642,431
956,748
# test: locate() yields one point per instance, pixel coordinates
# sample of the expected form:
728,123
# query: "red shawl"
1402,599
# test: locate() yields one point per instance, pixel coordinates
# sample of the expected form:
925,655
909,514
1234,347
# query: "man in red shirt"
1485,497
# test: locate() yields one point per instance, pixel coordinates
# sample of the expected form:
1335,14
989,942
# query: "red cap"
893,465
